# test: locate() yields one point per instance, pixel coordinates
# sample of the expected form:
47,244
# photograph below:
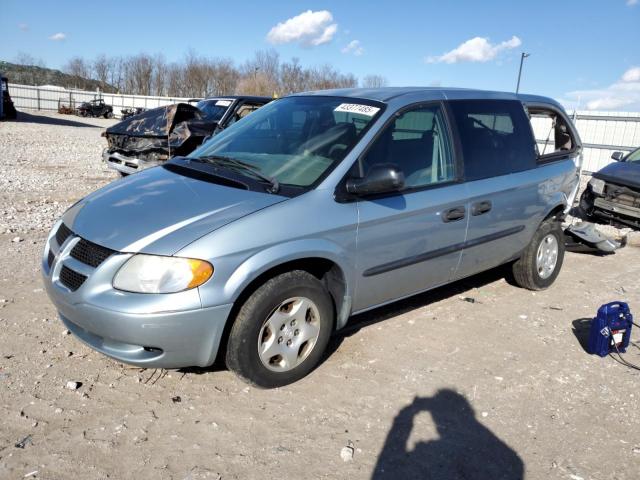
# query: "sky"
585,53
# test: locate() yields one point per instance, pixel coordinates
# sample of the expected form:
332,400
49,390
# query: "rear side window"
495,136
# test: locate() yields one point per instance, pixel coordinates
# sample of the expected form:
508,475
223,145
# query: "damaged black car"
154,136
613,193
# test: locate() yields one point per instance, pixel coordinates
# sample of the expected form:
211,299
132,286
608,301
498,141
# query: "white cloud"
309,29
23,26
56,37
621,95
354,47
631,3
478,49
631,75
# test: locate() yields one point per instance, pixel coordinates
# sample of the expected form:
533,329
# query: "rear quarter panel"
520,200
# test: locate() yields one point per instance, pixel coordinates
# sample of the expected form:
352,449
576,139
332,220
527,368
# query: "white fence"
50,98
602,133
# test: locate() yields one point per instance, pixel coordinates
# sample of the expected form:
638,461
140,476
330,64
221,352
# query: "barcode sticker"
367,110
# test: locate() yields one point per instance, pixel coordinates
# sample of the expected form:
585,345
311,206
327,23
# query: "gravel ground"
476,380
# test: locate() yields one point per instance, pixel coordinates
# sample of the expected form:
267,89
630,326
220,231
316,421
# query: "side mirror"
617,156
380,179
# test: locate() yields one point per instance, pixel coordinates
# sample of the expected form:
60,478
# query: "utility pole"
522,57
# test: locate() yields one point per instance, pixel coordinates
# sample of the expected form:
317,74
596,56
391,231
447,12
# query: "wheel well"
557,212
325,270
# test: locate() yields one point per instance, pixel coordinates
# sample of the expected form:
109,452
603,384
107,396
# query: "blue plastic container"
611,328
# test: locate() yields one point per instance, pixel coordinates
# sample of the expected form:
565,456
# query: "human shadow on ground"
46,120
464,449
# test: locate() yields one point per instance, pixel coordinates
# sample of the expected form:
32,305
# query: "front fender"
277,255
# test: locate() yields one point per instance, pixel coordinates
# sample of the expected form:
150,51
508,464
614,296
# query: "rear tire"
291,314
541,261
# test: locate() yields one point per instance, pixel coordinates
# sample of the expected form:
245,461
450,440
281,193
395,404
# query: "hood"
158,211
157,122
621,173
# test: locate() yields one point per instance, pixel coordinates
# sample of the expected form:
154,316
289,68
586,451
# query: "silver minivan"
268,237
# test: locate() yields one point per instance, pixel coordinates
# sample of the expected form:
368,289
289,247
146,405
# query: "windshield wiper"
240,165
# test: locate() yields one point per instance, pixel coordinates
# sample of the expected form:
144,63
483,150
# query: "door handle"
480,208
453,214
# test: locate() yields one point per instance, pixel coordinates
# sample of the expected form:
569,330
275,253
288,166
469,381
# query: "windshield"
634,156
213,110
295,140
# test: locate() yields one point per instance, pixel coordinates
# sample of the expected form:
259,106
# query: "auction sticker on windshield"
223,103
367,110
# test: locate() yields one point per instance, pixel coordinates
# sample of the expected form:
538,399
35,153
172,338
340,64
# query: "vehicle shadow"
363,320
581,329
464,448
45,120
366,319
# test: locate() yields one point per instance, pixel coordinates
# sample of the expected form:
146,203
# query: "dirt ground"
476,380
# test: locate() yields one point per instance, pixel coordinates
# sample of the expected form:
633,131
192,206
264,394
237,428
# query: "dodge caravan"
268,237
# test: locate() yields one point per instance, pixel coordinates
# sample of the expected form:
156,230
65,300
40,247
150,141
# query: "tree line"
200,76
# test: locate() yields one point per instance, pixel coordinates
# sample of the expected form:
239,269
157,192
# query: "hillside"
33,75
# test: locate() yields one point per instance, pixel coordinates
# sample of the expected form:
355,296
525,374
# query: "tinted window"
496,137
417,142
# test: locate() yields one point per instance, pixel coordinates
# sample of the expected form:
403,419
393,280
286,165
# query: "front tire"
281,330
541,261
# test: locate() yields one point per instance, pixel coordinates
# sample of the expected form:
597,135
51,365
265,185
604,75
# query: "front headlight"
597,185
155,274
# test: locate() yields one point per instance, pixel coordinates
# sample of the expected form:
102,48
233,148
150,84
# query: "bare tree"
78,67
159,75
101,67
326,77
175,80
116,74
199,76
31,76
23,58
374,81
293,78
225,76
138,71
196,75
261,75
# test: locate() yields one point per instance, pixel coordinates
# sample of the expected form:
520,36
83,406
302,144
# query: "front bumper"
146,330
155,340
606,211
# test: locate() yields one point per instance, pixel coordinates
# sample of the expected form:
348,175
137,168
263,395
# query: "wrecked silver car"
154,136
613,193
